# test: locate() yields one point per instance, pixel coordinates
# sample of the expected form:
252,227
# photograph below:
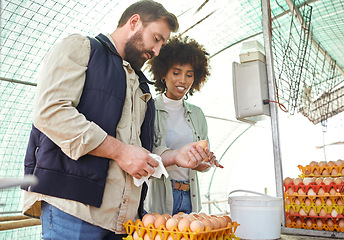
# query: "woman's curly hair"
181,51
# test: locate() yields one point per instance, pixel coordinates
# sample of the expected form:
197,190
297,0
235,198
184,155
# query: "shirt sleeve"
59,88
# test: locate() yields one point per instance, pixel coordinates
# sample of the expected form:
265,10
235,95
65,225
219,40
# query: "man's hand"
132,159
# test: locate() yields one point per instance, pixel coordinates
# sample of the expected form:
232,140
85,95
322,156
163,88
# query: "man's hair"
179,50
149,11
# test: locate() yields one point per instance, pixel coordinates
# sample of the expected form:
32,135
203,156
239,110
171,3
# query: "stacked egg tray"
218,234
293,209
316,171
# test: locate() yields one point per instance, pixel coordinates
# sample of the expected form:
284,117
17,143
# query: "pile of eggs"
182,222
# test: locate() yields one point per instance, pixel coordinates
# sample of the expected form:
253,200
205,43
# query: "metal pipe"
272,97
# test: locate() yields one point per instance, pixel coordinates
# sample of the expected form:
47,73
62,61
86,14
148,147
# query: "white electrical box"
250,88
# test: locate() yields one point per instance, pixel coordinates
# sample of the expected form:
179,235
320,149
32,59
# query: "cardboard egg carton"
292,223
226,233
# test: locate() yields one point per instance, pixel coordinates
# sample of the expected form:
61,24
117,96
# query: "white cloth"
159,171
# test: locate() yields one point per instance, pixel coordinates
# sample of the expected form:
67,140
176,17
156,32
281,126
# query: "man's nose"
156,49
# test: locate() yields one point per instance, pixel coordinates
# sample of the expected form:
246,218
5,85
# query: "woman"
180,69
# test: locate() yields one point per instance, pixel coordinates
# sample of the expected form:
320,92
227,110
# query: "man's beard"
132,51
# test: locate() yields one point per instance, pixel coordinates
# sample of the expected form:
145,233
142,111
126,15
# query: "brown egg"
301,192
330,163
340,202
338,180
329,222
167,216
291,211
191,218
308,202
321,191
332,191
288,221
147,236
203,144
312,213
196,225
309,222
339,162
160,221
207,224
298,222
308,180
316,172
287,201
172,222
318,202
203,214
147,219
297,181
216,223
297,201
313,164
325,173
183,224
302,212
319,222
334,172
328,202
290,191
322,213
229,220
135,235
322,163
341,223
288,181
223,221
158,237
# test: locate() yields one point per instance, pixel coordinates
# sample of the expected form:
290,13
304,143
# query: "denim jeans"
181,200
58,225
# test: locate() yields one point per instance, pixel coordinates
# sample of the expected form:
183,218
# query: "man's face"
146,43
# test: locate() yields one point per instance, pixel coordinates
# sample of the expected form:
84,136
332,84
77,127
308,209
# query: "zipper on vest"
34,170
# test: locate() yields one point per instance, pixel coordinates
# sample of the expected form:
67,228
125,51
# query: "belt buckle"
180,185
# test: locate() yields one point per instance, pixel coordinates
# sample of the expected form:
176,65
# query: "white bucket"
259,217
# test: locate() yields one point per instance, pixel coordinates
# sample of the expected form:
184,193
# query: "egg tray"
314,226
338,187
317,209
310,169
312,198
218,234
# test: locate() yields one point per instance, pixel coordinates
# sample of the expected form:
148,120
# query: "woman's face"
179,80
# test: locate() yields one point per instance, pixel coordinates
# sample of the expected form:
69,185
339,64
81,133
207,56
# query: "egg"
290,191
202,214
307,181
330,163
339,162
184,224
291,211
216,222
319,180
223,221
332,191
334,213
321,191
325,173
311,192
319,222
297,201
297,181
200,218
135,235
338,181
322,213
316,172
329,222
229,220
288,181
322,163
334,172
313,164
158,237
318,202
207,224
191,218
312,213
328,202
288,221
302,212
298,222
287,201
301,192
309,222
341,223
148,219
196,225
340,202
328,180
308,202
172,222
167,216
203,144
159,221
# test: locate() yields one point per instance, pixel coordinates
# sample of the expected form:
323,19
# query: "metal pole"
273,107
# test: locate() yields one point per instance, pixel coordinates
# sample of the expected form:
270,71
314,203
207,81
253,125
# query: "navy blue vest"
102,102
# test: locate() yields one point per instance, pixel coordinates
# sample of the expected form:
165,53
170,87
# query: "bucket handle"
249,191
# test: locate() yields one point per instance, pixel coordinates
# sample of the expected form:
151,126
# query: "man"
93,128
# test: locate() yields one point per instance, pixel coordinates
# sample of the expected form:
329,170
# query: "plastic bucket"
259,217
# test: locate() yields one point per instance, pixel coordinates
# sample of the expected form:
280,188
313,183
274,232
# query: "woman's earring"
163,80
